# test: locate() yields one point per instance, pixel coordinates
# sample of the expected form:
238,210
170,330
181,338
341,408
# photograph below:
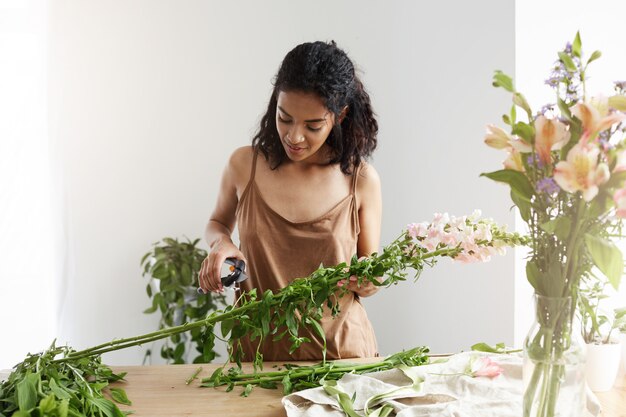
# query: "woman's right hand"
209,276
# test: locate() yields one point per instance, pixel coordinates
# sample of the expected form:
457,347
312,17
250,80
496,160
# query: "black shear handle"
239,265
230,279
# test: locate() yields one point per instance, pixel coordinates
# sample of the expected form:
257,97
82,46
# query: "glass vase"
554,362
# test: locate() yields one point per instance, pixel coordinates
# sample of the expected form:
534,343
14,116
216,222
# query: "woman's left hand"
365,289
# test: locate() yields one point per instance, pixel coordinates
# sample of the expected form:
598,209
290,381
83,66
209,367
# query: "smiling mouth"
293,148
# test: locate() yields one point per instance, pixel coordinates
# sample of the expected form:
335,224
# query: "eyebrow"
307,121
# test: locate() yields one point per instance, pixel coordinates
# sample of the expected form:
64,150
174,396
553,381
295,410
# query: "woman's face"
303,123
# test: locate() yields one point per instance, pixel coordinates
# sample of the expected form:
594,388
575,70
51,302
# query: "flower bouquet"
566,168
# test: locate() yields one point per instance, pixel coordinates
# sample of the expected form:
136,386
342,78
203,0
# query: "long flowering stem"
405,252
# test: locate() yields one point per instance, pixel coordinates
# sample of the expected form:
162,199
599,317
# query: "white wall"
148,99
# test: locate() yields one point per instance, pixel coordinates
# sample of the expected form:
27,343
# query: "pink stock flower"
620,202
581,171
550,135
416,230
484,366
473,237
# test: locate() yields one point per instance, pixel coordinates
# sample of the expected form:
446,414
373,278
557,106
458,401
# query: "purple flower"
548,186
603,140
532,159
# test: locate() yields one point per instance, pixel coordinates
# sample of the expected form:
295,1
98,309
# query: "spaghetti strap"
355,176
355,209
252,172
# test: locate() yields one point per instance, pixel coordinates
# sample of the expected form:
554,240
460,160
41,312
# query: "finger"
202,276
341,283
216,269
353,278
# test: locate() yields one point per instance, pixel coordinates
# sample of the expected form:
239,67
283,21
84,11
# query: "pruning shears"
237,268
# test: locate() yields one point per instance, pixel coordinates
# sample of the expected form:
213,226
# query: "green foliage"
296,378
42,387
598,323
173,267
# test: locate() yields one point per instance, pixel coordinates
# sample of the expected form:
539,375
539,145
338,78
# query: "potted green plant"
173,267
600,328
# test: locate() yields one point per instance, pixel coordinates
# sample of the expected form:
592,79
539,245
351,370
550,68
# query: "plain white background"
147,99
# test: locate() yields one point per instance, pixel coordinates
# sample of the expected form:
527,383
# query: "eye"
314,129
280,119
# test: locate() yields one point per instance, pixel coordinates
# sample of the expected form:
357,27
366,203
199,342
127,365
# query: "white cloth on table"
440,395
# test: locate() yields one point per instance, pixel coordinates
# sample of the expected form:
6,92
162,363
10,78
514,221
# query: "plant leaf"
577,45
595,55
119,396
607,257
560,227
568,62
27,392
618,102
500,79
517,180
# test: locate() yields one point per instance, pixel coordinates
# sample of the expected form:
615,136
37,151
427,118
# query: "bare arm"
369,202
222,221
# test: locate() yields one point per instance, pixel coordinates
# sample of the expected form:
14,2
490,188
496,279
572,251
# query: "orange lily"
595,117
550,135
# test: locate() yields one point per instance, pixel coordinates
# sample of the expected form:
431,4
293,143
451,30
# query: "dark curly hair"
325,70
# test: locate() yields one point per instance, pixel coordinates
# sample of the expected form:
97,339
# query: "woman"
302,195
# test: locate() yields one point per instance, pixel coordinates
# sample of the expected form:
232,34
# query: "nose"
294,136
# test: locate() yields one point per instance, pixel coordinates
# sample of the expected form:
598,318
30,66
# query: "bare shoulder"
240,163
368,181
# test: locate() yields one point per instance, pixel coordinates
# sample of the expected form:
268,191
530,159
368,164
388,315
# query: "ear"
343,114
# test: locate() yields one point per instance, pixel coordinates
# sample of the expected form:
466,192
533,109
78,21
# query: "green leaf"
63,408
119,396
160,271
287,385
107,407
48,404
522,204
560,227
144,258
607,257
500,79
247,390
179,351
577,46
186,275
524,130
568,62
344,400
226,326
520,101
484,347
565,110
58,391
618,102
533,275
27,392
595,55
516,180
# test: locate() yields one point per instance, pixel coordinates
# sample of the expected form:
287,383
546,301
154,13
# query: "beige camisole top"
278,251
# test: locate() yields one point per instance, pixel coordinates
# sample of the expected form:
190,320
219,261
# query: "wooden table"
161,391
